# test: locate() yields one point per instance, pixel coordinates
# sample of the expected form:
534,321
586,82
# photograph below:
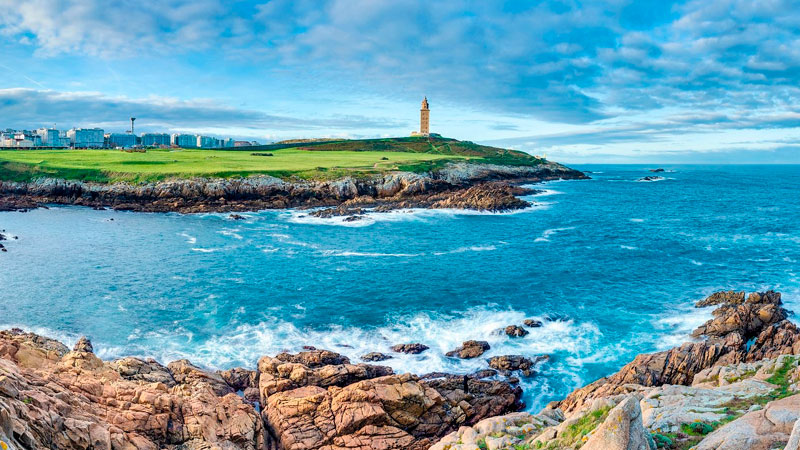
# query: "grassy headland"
308,160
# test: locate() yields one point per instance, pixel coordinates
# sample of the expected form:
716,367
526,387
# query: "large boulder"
184,372
289,372
622,429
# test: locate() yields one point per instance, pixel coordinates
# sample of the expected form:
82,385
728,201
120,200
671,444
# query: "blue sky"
613,81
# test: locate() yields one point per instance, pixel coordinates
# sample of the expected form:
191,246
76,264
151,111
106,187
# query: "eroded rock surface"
55,399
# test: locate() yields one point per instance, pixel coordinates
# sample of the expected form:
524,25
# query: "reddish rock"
469,350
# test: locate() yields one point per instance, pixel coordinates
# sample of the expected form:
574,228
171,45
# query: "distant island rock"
651,178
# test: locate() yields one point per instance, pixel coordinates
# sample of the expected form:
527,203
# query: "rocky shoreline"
736,386
482,187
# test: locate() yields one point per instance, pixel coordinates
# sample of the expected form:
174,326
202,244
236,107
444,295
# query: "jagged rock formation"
761,316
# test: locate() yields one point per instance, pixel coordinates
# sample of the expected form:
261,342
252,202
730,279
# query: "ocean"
611,266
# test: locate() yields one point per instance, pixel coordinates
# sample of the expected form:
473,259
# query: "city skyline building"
86,137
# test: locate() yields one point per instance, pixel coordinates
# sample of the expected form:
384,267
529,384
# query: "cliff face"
265,192
739,388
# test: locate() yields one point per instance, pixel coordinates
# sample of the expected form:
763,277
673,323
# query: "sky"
711,81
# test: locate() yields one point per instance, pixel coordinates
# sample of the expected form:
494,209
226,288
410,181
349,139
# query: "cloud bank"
632,69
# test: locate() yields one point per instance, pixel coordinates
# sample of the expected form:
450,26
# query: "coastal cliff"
487,187
736,386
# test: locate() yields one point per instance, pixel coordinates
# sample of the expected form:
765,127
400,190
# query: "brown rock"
722,298
79,402
470,349
239,378
83,345
392,412
185,372
516,331
411,349
532,323
760,316
509,363
782,338
375,357
314,358
279,375
747,319
146,370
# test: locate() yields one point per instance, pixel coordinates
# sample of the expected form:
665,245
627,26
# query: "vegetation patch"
307,160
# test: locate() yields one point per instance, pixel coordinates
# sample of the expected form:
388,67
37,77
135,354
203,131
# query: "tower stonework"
424,118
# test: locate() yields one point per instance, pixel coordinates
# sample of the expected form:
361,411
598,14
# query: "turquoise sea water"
614,263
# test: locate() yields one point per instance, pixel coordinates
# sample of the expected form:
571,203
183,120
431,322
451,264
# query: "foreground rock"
340,406
52,398
457,185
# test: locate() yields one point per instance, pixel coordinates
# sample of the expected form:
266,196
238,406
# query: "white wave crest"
545,237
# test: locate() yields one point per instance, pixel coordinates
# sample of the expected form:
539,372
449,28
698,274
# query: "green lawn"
317,160
115,165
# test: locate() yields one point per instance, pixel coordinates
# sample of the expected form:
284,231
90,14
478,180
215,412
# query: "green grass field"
307,160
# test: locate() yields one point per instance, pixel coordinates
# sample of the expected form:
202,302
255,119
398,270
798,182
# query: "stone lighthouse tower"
424,118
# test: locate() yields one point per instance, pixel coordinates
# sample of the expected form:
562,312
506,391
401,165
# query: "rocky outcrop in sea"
457,185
